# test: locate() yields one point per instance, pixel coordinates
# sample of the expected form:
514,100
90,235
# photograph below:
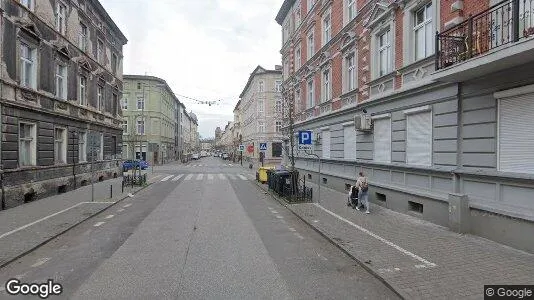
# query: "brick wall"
449,9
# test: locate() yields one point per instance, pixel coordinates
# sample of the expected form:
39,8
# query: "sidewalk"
418,259
25,227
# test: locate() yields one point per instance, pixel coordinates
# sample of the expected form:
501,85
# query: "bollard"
122,186
110,191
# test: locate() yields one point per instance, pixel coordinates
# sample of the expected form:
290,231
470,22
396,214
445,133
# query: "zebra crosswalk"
209,177
202,165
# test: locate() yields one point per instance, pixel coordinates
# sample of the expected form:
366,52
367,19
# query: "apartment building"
61,81
150,110
447,89
260,110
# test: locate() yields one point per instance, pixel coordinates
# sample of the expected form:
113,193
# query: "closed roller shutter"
516,134
326,144
349,142
419,138
382,140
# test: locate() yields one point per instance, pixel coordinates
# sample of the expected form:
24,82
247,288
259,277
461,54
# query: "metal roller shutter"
382,140
349,142
516,134
419,138
326,144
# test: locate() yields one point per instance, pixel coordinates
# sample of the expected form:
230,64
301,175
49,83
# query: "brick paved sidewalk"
25,227
418,259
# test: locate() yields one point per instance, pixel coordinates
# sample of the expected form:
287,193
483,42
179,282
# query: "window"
349,142
310,45
124,103
278,106
125,127
351,9
101,147
61,11
125,153
27,3
278,126
311,100
261,126
116,104
139,85
384,53
297,15
60,145
140,127
382,140
424,37
419,138
100,98
28,71
278,86
61,82
350,73
326,90
297,58
82,37
82,90
261,86
327,28
27,145
310,4
140,102
114,63
99,51
82,147
276,149
260,105
326,144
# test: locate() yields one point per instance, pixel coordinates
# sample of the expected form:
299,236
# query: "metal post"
319,179
437,52
515,20
110,191
2,187
470,37
92,174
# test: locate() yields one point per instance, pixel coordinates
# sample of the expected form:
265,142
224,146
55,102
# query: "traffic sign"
305,137
305,147
241,148
263,146
250,148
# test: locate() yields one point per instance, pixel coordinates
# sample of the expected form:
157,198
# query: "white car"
195,156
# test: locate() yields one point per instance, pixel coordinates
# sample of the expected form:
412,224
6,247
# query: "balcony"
493,40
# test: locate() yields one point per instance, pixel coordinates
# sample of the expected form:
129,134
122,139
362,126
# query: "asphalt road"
204,231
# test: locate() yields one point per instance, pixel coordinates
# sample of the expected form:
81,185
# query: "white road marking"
270,208
200,165
210,177
299,236
221,176
99,223
279,217
109,216
177,177
120,210
188,177
40,220
155,177
320,256
167,178
383,240
242,177
292,229
315,221
127,205
200,176
41,261
230,165
274,211
231,176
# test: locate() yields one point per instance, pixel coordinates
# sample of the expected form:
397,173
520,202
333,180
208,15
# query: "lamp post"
74,136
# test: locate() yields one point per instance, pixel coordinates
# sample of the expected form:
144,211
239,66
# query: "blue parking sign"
305,137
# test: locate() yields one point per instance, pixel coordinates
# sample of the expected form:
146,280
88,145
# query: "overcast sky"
204,49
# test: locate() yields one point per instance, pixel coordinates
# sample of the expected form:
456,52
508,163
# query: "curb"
68,228
399,293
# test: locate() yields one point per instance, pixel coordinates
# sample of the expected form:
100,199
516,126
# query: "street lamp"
74,136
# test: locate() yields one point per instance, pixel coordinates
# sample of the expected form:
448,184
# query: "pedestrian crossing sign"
241,148
263,146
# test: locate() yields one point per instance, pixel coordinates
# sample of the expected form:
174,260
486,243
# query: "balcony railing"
502,24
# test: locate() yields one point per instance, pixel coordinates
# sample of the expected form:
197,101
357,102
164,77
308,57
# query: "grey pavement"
27,226
418,259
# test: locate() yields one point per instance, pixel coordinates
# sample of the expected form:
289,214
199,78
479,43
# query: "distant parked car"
195,156
134,164
225,156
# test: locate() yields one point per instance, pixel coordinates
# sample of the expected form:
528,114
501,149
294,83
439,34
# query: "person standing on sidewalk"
363,192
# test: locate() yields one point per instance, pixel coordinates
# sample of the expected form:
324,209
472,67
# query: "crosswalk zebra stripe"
188,177
200,176
210,177
231,176
242,177
177,177
167,178
230,165
221,176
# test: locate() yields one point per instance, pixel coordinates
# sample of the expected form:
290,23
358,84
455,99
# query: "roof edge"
284,9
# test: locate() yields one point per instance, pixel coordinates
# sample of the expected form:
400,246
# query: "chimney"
278,67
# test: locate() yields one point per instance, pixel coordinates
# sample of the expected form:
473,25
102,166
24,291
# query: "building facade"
149,126
450,113
61,81
260,110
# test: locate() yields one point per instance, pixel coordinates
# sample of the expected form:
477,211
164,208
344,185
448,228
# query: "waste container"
262,174
280,180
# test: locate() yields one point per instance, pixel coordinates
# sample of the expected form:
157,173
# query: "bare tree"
288,115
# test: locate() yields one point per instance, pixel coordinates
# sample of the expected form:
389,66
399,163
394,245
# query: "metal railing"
502,24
